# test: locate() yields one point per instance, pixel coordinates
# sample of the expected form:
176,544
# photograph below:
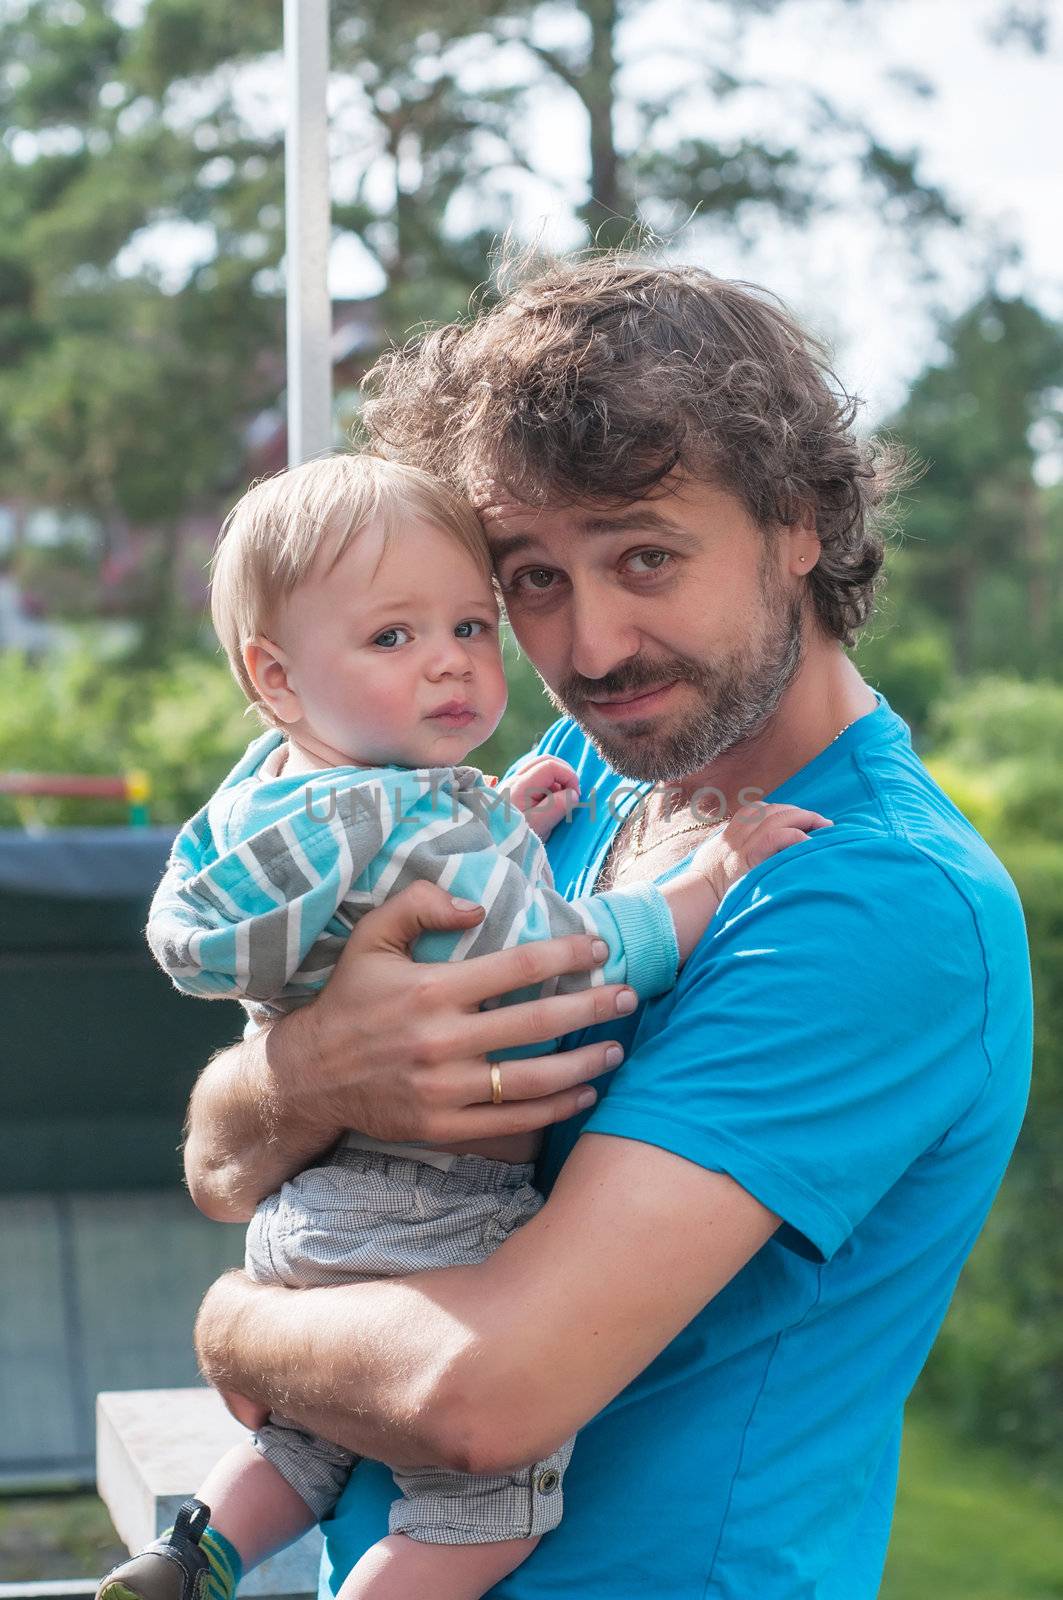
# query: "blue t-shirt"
851,1043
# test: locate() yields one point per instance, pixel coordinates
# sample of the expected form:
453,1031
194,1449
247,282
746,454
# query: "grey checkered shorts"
371,1214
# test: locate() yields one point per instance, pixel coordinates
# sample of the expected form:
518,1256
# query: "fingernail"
600,950
613,1056
463,905
626,1001
587,1098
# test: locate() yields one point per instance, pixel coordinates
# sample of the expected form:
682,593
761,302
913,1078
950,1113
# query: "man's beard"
736,698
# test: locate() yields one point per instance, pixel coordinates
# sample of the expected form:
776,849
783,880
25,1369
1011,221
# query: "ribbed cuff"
648,936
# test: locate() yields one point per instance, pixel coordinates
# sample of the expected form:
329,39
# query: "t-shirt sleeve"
824,1034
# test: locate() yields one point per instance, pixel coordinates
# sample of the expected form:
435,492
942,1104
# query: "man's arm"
484,1368
253,1121
396,1049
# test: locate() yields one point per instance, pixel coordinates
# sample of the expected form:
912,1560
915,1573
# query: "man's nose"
603,637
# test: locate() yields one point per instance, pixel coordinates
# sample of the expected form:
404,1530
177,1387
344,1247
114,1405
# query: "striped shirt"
265,883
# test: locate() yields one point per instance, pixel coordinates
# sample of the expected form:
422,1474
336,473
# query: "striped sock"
226,1568
223,1559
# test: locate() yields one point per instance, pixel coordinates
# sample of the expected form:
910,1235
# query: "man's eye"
391,638
534,578
470,630
653,560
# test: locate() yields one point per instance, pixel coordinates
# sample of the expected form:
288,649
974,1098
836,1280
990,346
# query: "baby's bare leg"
399,1568
256,1508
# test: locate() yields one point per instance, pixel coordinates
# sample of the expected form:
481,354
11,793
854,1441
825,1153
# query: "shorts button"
547,1481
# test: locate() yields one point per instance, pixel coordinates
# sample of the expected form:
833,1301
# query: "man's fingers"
534,1021
478,978
537,1078
484,1120
414,910
524,1116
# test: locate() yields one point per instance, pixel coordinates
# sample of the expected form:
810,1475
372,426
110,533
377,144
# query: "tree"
662,177
141,174
116,398
984,541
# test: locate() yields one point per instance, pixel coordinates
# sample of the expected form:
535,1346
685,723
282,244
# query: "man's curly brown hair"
594,379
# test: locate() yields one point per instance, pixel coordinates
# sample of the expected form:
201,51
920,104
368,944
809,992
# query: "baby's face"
394,653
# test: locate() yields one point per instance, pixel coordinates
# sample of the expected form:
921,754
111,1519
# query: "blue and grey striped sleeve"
504,868
265,919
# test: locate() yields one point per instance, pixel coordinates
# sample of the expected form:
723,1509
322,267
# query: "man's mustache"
631,677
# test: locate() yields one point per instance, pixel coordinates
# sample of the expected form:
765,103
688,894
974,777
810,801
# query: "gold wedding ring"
496,1085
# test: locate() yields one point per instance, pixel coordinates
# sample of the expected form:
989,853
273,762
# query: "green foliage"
913,667
983,549
1006,733
998,1364
971,1524
183,724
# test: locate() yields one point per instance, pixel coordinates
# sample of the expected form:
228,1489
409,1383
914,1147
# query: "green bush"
998,1365
183,724
913,668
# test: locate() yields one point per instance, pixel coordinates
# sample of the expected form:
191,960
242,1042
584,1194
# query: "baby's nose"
452,659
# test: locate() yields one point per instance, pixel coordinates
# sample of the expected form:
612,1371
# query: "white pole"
307,229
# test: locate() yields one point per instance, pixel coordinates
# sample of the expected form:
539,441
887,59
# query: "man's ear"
267,667
803,546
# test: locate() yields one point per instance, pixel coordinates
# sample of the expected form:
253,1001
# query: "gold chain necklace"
639,848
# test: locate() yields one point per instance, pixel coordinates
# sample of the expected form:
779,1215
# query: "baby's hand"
545,790
752,835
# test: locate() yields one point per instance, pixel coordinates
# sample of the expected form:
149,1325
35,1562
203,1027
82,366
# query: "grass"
56,1536
971,1524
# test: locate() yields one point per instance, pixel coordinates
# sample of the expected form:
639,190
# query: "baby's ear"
267,667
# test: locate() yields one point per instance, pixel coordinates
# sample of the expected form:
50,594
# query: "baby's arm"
545,789
647,931
239,922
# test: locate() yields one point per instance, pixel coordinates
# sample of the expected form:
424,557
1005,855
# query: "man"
752,1236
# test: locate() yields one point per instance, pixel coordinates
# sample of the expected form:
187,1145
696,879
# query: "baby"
354,598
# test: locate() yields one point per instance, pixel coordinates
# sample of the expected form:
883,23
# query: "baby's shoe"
173,1568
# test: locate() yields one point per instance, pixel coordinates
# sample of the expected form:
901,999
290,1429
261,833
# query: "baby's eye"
654,560
470,629
392,637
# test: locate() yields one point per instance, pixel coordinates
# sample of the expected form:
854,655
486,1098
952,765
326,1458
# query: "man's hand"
396,1049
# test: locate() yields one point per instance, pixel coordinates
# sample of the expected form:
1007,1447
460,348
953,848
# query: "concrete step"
153,1446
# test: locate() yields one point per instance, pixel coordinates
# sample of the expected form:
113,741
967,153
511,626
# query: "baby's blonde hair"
273,536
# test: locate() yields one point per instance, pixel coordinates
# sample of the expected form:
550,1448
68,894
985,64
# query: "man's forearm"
365,1365
252,1122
